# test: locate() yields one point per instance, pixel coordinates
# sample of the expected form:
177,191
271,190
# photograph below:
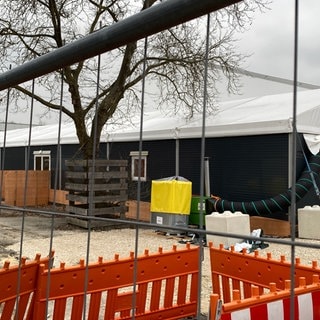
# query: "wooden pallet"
97,188
271,227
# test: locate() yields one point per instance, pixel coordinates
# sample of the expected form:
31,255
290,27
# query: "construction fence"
160,285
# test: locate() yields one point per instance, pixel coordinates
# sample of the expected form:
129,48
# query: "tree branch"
45,102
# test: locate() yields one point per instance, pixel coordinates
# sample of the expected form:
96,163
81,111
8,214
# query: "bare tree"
174,62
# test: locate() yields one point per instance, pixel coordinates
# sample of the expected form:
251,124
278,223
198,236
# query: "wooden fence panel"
17,193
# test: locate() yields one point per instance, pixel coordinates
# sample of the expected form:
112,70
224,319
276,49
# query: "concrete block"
228,222
309,222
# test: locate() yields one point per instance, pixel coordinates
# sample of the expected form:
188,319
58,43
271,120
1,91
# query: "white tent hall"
251,116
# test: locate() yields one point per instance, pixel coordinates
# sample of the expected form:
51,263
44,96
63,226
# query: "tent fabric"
252,116
313,142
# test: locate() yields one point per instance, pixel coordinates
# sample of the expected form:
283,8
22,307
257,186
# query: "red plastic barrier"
165,287
275,305
238,271
17,286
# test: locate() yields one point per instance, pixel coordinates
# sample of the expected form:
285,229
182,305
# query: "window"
135,165
42,160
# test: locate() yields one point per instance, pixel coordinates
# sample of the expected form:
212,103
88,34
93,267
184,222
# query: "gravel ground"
70,244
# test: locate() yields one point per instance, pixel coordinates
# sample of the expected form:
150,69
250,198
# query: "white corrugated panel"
251,116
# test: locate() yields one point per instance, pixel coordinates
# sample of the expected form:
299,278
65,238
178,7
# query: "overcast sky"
270,41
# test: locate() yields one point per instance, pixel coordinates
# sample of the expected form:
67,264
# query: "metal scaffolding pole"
145,23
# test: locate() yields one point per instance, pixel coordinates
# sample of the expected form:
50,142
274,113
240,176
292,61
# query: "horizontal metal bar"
150,21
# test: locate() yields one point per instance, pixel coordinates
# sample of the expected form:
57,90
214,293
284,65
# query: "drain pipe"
177,155
177,158
206,177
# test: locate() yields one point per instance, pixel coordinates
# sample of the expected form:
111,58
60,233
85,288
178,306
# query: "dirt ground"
33,226
71,243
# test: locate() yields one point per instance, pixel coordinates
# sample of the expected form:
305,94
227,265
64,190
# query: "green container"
194,217
195,204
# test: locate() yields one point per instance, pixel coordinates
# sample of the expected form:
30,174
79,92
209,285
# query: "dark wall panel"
14,158
245,168
241,168
160,162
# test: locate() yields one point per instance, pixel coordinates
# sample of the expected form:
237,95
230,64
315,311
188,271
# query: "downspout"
177,155
206,177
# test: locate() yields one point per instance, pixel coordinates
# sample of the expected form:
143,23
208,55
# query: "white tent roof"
252,116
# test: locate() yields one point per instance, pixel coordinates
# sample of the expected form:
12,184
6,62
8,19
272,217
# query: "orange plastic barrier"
274,305
165,287
238,271
17,286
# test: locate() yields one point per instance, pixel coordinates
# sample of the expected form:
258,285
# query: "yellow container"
171,196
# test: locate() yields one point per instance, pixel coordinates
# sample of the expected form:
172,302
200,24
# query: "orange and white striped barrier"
273,306
164,287
252,287
161,285
231,270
